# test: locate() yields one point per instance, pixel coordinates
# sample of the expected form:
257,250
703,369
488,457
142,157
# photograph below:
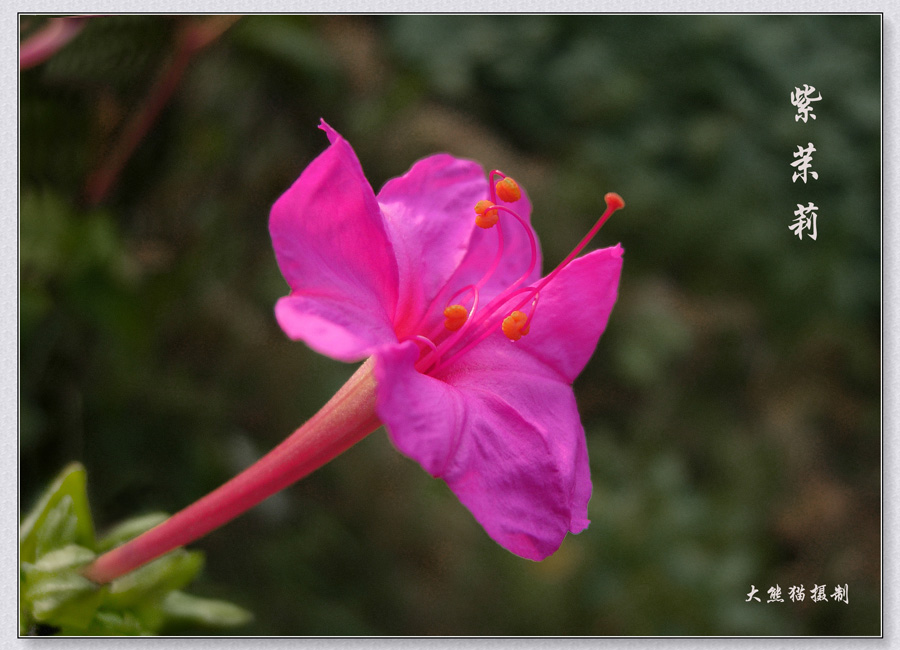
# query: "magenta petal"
516,253
429,212
332,247
509,444
572,312
410,404
330,326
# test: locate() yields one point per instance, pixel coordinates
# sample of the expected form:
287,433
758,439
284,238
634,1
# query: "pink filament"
584,242
434,357
533,292
487,312
504,296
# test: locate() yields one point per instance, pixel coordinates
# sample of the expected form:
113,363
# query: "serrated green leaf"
206,611
129,529
71,482
171,571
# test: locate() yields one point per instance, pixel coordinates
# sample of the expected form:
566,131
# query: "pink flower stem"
53,37
193,37
345,420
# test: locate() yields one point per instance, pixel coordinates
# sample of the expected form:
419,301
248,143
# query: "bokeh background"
732,408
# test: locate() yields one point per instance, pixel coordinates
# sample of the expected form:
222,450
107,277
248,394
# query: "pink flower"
474,353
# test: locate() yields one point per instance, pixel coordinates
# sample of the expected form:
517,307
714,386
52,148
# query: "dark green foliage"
732,408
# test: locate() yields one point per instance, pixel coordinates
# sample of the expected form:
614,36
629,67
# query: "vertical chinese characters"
806,216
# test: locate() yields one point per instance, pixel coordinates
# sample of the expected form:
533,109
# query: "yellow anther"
455,317
483,206
515,325
487,217
508,190
488,220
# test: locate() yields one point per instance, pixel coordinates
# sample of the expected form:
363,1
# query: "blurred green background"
732,408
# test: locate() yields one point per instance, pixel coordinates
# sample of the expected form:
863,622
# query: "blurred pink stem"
345,420
192,38
54,36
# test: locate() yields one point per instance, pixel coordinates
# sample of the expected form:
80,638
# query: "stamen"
468,327
483,206
492,327
455,317
422,365
433,358
421,339
515,326
534,303
487,215
504,296
508,190
492,184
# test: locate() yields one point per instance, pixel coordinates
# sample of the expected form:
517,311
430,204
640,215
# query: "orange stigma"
515,326
508,190
614,201
455,317
487,217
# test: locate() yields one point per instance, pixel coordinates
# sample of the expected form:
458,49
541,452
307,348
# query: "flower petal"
509,445
499,424
429,216
332,246
411,404
331,326
516,253
572,312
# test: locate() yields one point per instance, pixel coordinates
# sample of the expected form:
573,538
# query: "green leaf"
129,529
108,623
59,528
151,615
171,571
68,557
205,611
25,619
57,541
56,593
72,483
